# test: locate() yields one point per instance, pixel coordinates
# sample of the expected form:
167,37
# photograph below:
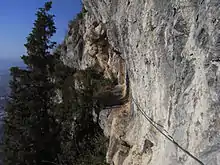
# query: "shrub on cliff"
83,141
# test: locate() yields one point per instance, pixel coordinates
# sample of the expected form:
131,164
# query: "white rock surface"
171,49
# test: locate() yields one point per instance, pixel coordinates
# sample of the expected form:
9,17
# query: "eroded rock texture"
170,50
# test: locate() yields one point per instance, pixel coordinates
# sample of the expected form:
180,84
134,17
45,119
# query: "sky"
17,18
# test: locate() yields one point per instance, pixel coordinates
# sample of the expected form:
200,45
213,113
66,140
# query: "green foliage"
97,155
82,139
82,13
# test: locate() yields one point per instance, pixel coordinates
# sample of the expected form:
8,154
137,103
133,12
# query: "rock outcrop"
170,52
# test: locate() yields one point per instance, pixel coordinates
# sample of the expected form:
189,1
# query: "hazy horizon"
5,64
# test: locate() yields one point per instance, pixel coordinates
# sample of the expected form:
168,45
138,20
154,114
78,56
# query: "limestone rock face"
170,50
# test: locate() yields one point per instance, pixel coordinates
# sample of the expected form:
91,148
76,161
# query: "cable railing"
165,133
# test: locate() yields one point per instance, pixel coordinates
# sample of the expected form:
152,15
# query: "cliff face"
170,52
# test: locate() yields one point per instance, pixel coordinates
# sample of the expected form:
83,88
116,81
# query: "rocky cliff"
165,55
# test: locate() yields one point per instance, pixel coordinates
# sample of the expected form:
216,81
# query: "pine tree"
31,132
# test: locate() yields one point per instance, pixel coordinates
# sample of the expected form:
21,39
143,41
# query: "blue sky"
17,18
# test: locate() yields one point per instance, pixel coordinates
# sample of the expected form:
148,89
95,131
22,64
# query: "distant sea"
6,64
